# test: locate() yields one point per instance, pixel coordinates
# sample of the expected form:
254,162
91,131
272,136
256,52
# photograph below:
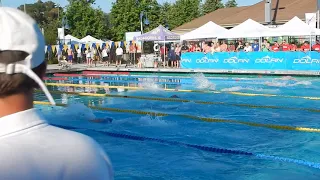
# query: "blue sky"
105,4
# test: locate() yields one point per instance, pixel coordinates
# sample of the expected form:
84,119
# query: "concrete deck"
54,68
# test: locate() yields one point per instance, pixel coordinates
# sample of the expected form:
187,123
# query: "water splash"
256,89
201,82
150,120
287,83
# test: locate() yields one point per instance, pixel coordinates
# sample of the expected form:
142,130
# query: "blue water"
134,159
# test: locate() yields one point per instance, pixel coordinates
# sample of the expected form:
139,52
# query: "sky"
104,4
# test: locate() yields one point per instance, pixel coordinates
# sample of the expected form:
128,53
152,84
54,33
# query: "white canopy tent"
294,27
208,30
73,40
90,39
247,29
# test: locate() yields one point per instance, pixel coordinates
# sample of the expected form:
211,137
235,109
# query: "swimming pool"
177,146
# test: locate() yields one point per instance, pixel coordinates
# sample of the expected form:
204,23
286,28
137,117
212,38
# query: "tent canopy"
247,29
72,38
90,39
208,30
158,34
294,27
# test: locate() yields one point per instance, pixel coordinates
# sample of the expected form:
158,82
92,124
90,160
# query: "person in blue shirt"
255,46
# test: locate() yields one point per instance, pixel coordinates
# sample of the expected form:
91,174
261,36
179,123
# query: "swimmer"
102,120
174,96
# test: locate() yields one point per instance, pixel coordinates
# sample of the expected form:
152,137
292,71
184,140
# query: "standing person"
79,55
255,46
223,46
105,56
178,53
293,46
88,57
119,53
163,53
70,55
240,46
59,54
285,46
31,148
305,47
248,48
316,47
275,47
171,56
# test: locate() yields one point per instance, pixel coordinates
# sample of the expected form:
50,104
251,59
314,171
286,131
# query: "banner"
252,61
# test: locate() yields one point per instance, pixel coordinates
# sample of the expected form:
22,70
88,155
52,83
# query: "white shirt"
119,51
79,52
247,49
88,54
104,53
32,149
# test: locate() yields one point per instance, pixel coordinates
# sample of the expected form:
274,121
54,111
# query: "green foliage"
211,5
231,3
125,16
46,15
183,11
85,20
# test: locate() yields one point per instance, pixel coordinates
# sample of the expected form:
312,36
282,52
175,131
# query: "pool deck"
54,68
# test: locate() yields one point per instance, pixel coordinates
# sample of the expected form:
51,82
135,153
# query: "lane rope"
199,147
186,100
185,90
206,119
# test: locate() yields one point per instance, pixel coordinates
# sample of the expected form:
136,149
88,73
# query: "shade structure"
208,30
90,39
72,39
247,29
158,34
294,27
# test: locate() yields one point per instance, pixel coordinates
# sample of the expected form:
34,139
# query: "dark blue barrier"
252,60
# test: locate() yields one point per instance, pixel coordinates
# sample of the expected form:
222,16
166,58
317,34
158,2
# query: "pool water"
135,158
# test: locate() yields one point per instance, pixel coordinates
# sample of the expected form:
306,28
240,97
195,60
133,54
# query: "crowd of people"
239,46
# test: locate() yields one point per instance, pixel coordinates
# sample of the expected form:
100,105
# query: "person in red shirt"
285,46
275,47
293,46
316,47
305,46
163,52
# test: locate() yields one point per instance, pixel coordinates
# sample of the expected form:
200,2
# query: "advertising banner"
252,61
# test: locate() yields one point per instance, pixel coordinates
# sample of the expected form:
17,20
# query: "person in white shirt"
105,56
79,55
88,57
30,148
248,48
119,53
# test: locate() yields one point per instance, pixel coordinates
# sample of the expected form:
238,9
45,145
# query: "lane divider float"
199,147
186,100
206,119
184,90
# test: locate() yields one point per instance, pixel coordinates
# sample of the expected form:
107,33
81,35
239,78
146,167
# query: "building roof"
230,17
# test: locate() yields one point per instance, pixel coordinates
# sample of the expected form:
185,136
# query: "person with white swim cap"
30,148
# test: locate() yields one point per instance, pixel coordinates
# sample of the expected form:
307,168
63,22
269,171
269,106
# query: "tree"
85,20
46,15
183,11
231,3
125,16
211,5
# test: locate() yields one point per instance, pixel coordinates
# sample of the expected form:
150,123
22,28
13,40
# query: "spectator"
224,46
198,49
264,48
79,55
105,56
305,47
171,56
275,47
293,46
316,47
163,51
248,48
255,46
285,46
231,47
119,53
240,46
266,43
